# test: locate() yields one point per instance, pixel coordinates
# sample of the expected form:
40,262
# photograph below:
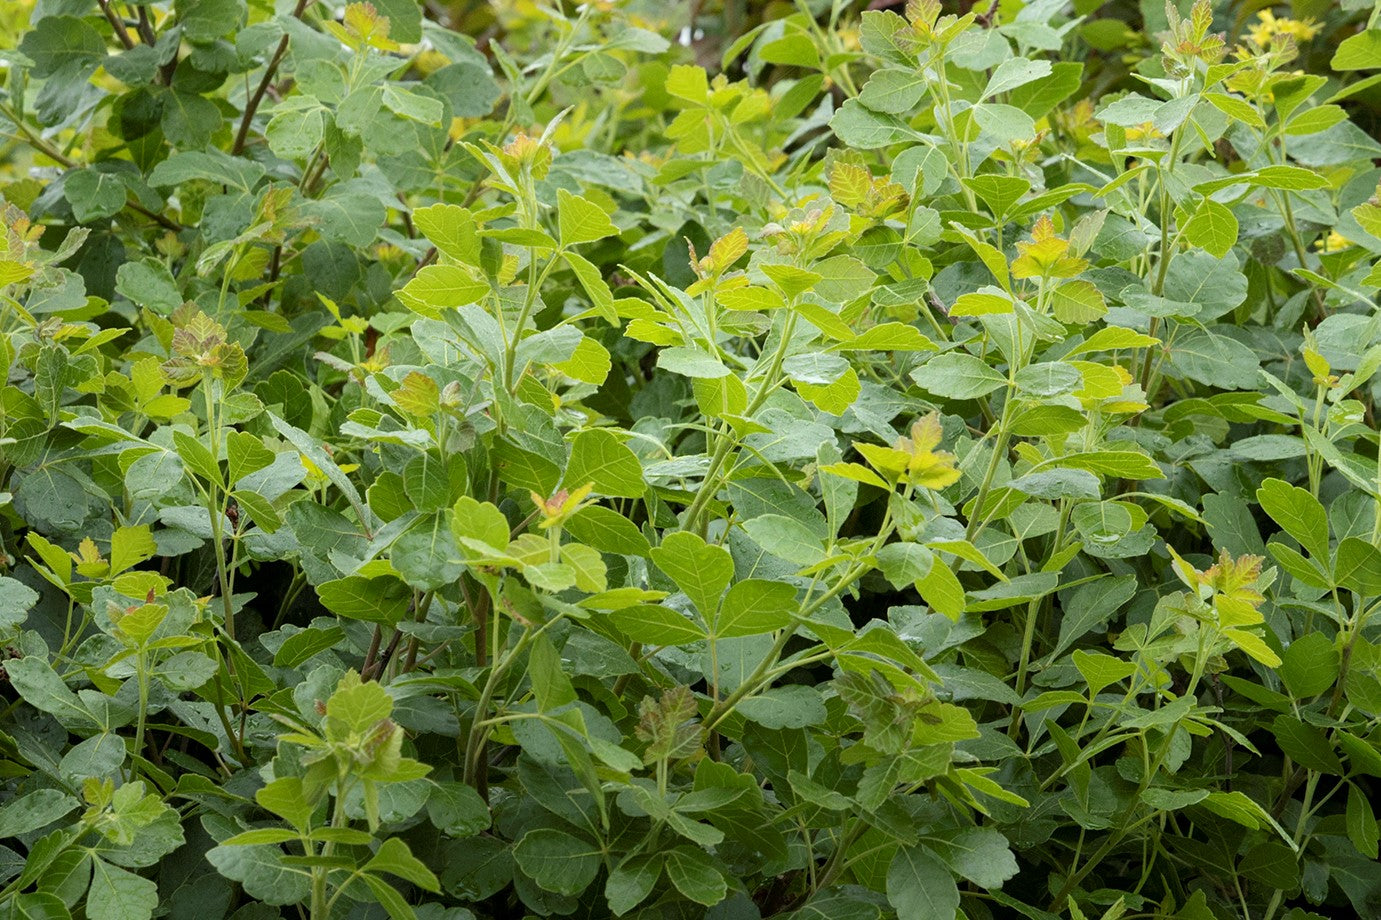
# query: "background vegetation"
708,460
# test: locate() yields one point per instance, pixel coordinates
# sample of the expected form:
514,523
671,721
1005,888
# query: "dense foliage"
721,460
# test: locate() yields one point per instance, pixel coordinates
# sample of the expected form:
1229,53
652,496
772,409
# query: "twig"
371,653
145,26
37,141
117,24
380,665
270,71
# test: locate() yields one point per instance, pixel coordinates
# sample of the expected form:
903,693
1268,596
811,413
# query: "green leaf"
1126,464
1299,513
262,873
1358,567
599,457
893,91
957,375
285,797
197,457
189,119
695,875
1100,671
581,221
864,129
551,688
1237,108
1305,745
795,48
1291,178
1271,864
34,811
631,882
388,897
692,361
1215,285
246,454
999,193
37,905
394,857
607,531
1358,52
62,44
441,287
1015,72
786,538
148,283
1039,97
1078,302
1091,605
790,706
349,213
940,588
457,810
382,599
451,229
1003,124
404,19
209,166
34,679
1213,227
656,626
752,607
1310,666
791,279
130,546
207,20
118,894
311,449
1058,483
260,510
979,854
920,886
689,83
94,194
260,835
701,571
557,861
589,363
1319,118
1240,809
1361,822
985,301
1215,360
904,563
889,37
480,523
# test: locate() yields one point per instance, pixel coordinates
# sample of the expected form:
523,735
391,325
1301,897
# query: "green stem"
999,451
765,667
709,487
511,348
479,727
1310,787
142,664
321,907
214,508
1123,824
